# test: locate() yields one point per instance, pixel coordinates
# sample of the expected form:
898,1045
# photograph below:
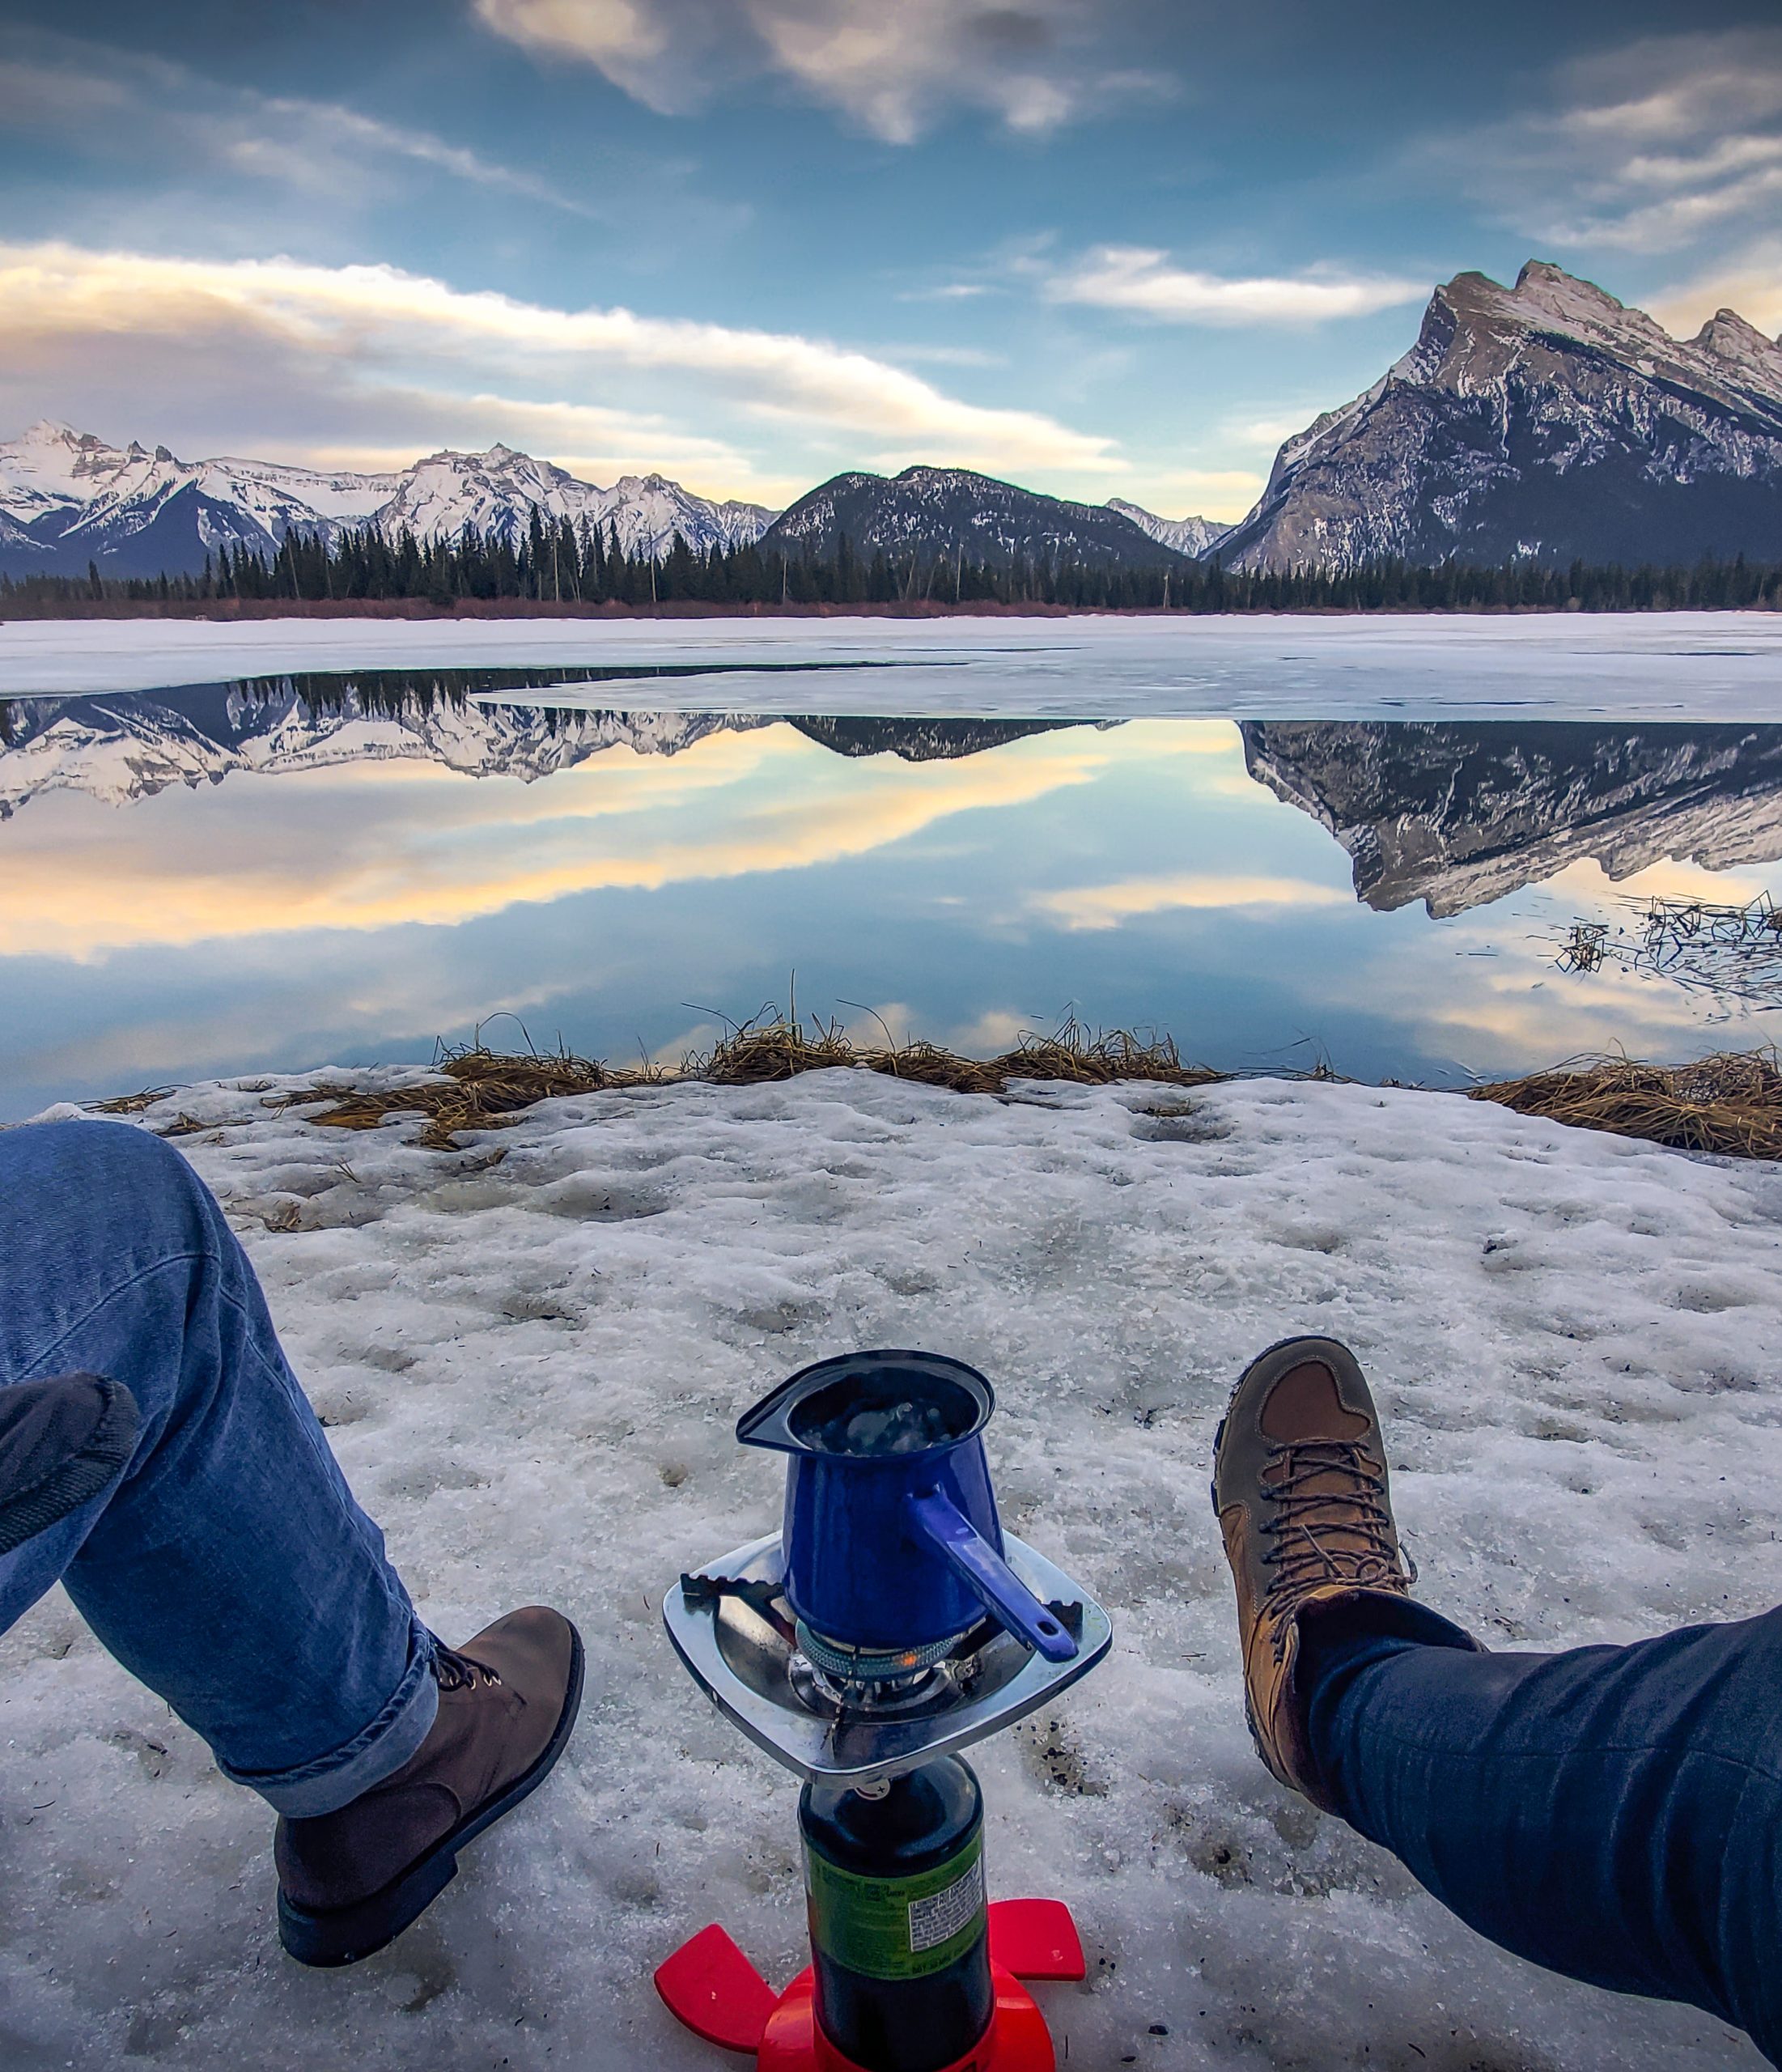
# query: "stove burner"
821,1692
852,1666
732,1626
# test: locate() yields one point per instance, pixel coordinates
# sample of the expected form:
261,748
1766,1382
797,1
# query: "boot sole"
342,1935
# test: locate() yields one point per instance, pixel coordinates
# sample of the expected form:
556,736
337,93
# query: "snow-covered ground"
531,1352
1685,666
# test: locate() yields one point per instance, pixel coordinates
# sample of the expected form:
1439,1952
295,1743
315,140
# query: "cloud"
114,101
308,142
591,441
1273,431
1667,142
319,352
1215,493
1146,283
894,67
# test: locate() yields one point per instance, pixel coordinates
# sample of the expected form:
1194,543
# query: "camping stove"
889,1625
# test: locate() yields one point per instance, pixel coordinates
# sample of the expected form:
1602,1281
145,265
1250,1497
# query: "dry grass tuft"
133,1104
483,1089
1730,1103
479,1090
771,1048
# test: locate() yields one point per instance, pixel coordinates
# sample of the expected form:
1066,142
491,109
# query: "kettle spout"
1007,1598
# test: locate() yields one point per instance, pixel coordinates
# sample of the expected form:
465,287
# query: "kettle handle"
938,1518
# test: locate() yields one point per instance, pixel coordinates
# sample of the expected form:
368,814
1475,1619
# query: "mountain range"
68,499
1544,421
929,514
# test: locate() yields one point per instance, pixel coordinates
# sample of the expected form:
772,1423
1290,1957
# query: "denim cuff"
379,1750
1336,1649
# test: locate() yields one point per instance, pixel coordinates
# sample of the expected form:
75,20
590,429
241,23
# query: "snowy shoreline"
531,1352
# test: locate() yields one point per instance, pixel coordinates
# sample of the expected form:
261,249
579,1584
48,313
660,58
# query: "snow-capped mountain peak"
1188,536
67,497
1744,347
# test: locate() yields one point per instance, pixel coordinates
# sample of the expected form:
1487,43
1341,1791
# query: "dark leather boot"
350,1881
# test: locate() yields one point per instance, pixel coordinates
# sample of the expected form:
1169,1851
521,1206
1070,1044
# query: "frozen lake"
1373,846
1677,665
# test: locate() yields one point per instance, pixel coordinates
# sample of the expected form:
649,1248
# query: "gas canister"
894,1876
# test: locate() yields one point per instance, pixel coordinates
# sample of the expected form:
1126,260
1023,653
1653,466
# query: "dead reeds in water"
483,1089
1731,1102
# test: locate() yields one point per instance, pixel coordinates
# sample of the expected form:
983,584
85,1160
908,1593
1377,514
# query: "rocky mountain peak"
1728,335
1547,420
926,514
1189,536
1550,288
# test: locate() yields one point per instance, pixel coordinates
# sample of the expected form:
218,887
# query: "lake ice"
1680,665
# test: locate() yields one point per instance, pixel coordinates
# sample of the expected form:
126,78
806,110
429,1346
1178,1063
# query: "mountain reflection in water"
123,746
1458,816
268,874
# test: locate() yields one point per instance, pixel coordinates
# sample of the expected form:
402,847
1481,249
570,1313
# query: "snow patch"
531,1354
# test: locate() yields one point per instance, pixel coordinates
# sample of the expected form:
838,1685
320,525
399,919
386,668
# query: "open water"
276,872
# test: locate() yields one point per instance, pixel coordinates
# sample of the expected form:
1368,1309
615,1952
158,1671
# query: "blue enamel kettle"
891,1537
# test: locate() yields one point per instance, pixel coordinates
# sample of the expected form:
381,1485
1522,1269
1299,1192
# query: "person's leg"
1614,1814
228,1566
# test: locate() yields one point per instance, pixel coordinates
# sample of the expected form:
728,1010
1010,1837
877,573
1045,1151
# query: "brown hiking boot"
1299,1488
350,1881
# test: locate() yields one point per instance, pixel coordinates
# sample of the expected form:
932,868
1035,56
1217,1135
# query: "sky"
1102,247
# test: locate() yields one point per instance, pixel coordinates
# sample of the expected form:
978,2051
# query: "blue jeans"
1613,1813
228,1566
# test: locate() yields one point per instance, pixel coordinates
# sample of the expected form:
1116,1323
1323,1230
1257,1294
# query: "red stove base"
710,1987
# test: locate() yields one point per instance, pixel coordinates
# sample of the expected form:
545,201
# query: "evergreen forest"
555,563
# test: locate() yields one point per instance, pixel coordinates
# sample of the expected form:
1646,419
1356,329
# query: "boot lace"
452,1671
1330,1524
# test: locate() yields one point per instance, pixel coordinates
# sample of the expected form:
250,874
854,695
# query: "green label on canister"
898,1928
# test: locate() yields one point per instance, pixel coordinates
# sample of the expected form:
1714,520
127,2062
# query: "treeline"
556,563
